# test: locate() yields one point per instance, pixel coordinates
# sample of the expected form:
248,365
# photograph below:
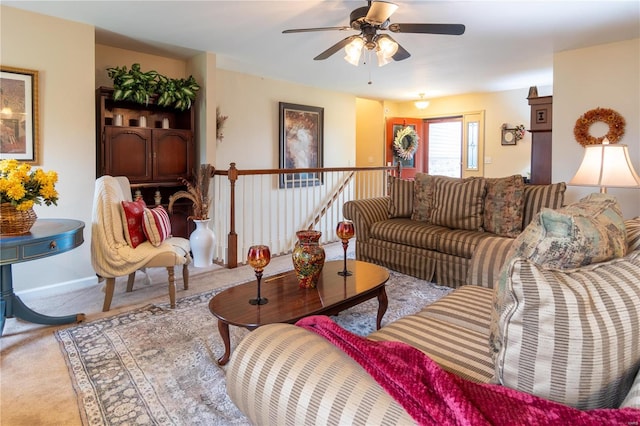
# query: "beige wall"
203,69
500,107
107,57
63,54
251,131
370,130
603,76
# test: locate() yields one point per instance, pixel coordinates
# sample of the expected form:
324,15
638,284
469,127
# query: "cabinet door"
172,154
127,152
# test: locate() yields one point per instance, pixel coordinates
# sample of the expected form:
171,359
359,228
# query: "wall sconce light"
606,165
422,103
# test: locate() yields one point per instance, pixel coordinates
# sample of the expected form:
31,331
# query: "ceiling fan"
371,19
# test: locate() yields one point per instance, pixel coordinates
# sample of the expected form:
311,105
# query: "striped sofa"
388,234
281,374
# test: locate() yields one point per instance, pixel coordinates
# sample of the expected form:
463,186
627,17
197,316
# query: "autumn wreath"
608,116
406,143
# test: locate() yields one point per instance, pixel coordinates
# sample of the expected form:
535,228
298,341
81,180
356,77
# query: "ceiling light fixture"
383,45
422,103
354,50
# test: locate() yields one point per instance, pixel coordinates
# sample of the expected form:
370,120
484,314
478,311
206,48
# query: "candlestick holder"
345,231
258,257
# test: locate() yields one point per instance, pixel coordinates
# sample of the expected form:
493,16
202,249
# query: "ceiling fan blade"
333,49
401,54
308,30
380,11
448,29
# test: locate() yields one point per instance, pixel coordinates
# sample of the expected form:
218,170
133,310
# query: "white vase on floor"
202,241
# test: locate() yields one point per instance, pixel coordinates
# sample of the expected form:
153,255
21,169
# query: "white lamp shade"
606,165
353,51
387,46
382,59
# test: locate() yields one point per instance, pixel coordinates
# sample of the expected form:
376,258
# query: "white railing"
261,207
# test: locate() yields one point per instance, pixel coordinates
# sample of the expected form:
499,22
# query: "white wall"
63,54
605,76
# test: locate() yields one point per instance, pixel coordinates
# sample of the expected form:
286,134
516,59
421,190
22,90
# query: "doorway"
443,142
450,146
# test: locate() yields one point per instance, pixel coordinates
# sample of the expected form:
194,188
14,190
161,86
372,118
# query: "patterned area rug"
156,365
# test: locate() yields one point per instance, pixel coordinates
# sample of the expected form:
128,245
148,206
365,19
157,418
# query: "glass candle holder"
345,231
258,257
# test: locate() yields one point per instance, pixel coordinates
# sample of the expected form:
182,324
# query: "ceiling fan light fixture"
387,46
382,60
353,51
421,103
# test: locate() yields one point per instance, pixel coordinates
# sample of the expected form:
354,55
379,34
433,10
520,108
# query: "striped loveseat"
281,374
463,218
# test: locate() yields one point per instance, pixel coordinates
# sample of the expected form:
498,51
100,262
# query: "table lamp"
606,165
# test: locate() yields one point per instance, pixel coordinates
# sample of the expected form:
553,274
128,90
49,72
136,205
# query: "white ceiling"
507,44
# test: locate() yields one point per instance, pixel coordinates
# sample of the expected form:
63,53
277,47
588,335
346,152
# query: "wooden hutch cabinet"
152,157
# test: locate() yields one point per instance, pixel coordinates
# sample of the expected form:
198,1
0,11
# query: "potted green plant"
138,86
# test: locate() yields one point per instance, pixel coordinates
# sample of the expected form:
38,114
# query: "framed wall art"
509,136
301,144
19,114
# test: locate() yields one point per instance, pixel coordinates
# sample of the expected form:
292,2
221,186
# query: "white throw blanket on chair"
111,256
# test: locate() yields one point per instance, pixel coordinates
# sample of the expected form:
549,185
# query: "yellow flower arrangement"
23,187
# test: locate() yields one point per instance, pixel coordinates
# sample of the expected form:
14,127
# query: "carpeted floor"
35,383
156,365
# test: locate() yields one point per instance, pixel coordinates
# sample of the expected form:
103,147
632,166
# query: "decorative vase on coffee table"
202,241
308,258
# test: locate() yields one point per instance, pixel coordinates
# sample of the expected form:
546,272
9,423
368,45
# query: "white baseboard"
59,288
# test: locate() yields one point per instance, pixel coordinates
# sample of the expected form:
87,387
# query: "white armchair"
111,254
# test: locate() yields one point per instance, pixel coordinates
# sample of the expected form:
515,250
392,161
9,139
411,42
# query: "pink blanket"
433,396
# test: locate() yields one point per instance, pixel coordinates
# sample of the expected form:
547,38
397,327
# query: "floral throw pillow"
132,212
156,225
504,206
589,231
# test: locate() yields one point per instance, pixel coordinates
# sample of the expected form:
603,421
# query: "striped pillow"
633,233
570,336
459,205
423,195
156,225
538,196
401,201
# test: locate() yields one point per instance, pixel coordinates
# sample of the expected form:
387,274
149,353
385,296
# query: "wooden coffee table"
288,303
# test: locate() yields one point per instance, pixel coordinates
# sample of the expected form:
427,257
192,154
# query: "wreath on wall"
405,144
608,116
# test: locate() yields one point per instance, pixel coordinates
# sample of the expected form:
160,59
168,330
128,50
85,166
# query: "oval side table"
47,237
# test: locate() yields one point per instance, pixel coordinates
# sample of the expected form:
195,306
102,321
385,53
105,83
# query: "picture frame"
19,105
509,136
301,135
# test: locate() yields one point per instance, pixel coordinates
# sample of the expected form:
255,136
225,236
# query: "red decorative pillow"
132,221
156,225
